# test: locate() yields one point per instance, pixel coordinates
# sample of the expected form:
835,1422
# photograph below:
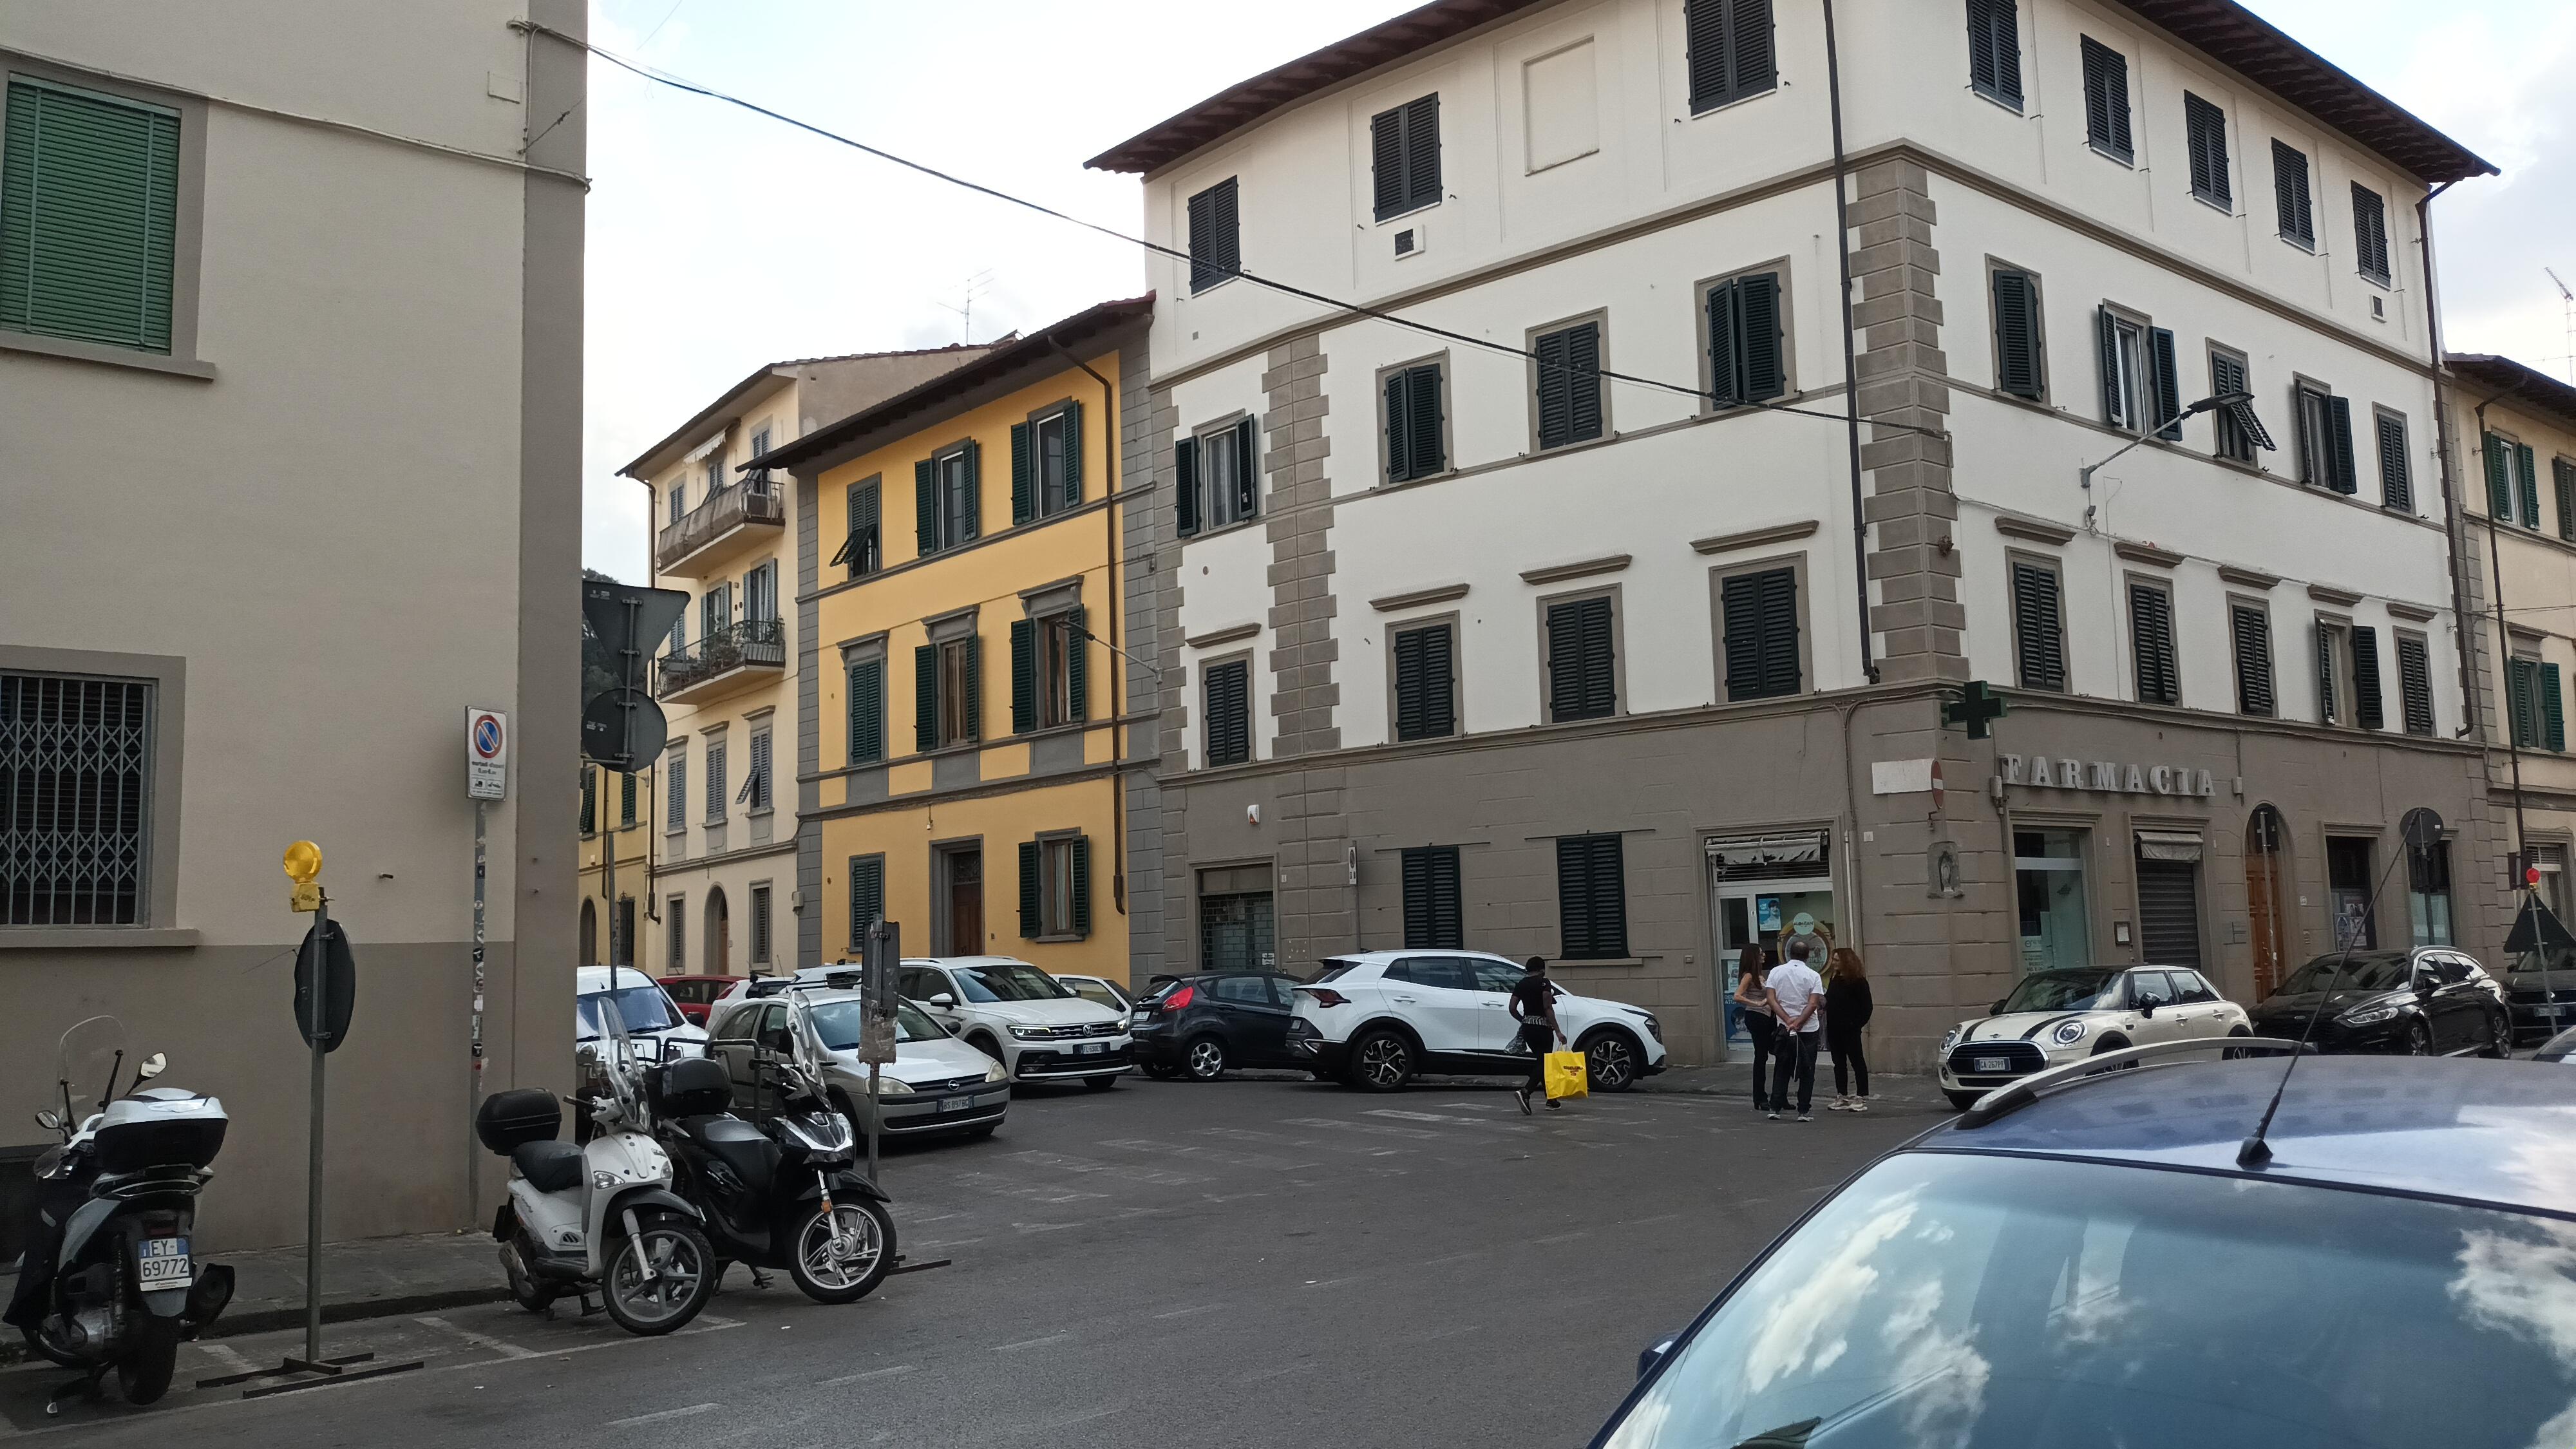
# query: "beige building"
290,373
708,876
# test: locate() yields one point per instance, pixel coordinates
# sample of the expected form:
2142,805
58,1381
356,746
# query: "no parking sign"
487,754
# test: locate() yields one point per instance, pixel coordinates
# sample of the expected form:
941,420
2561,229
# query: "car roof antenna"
2422,830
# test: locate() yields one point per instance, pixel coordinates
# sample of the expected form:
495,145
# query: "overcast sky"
720,240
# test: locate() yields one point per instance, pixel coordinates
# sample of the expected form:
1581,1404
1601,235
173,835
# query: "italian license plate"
165,1264
1993,1064
1092,1048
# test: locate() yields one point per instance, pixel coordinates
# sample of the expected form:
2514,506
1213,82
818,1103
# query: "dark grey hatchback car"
2085,1262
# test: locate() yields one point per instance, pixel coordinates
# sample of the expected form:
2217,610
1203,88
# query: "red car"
696,993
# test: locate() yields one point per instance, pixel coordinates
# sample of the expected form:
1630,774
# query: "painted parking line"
1447,1120
1188,1312
883,1373
1031,1343
1255,1160
659,1417
479,1340
1373,1127
1239,1134
1123,1171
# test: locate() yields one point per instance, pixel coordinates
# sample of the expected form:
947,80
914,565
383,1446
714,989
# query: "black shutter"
867,896
1080,845
1077,664
2207,128
2552,710
2563,474
1555,388
2151,641
2106,99
1725,353
1426,448
1752,66
1247,469
2528,480
1024,675
2169,912
1433,920
925,697
1424,708
1994,50
1215,241
1024,486
1386,157
2115,406
2168,403
1399,429
2368,710
925,502
2037,627
2017,365
1764,375
1704,32
1422,151
2415,684
1229,713
2290,194
1583,368
971,710
2370,233
1032,920
1072,455
1582,669
1185,484
2252,631
1761,634
1592,897
2343,475
589,800
2325,673
2396,478
867,711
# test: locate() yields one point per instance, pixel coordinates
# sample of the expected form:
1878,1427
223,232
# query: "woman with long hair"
1847,1009
1755,1004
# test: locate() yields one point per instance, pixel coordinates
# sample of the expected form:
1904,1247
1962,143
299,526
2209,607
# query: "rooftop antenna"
2422,830
2569,299
978,285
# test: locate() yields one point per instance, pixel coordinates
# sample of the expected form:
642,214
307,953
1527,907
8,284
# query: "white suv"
1378,1018
1033,1024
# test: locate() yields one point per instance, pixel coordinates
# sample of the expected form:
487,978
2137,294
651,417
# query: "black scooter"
782,1194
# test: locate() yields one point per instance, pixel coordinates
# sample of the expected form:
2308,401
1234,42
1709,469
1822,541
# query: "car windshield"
1963,1301
642,1008
2060,991
838,1023
1014,981
2377,971
1099,991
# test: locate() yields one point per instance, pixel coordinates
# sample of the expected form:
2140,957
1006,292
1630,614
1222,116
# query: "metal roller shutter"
2169,912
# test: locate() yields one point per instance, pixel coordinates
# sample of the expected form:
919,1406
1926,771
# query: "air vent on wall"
1411,242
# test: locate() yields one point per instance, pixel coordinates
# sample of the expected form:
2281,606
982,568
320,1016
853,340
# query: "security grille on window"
2106,101
867,712
1731,51
2325,440
2205,134
676,775
2396,469
1746,355
2020,363
760,925
1568,376
1591,898
1582,669
1055,887
1994,51
867,896
2151,644
2290,196
89,189
2250,631
2140,385
1049,686
1760,633
2370,233
1229,712
75,799
1433,920
1046,464
715,784
2415,683
863,552
1216,478
755,780
1216,240
2039,635
1415,444
1404,150
947,694
1425,683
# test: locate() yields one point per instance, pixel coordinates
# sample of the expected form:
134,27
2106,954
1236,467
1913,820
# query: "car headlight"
892,1086
994,1073
1654,1028
2068,1033
1949,1040
2369,1016
1033,1033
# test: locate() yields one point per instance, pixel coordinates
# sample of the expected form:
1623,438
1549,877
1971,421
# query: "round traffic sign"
487,736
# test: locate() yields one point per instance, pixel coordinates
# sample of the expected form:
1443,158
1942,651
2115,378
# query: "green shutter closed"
2553,714
1432,918
2344,476
1185,485
1761,634
925,698
2151,644
89,189
1024,676
1072,455
2396,474
2017,364
2499,480
1077,665
867,896
1425,703
1024,490
1592,897
1032,924
1080,845
1581,671
2368,710
2415,684
2038,630
867,712
925,500
2252,632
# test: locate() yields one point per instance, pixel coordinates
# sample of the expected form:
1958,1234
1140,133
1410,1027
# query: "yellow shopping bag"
1567,1076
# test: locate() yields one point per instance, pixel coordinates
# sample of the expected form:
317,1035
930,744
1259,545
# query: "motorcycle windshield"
615,1054
86,1064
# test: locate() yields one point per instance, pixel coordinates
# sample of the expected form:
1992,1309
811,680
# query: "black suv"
2431,1001
1200,1026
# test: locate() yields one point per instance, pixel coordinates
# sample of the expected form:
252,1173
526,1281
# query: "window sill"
1062,940
1731,102
1199,291
1991,98
1560,961
2130,161
79,351
99,938
2224,205
2310,247
1417,210
1219,530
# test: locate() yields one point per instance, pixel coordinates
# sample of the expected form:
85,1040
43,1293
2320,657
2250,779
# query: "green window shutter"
1994,50
972,715
1761,634
2106,332
2343,475
2290,194
925,698
2206,128
2106,100
1765,376
2017,366
2151,645
867,896
2368,709
2499,480
589,801
1555,427
1399,429
89,190
1582,677
2527,478
1725,352
1432,917
1081,848
867,712
1247,468
1592,897
2415,684
925,499
1031,922
2396,473
1024,676
1077,664
2563,474
1185,485
1425,706
1024,488
974,527
1428,448
1229,713
2325,674
2552,713
1583,369
626,799
1072,455
2251,630
2168,403
2038,627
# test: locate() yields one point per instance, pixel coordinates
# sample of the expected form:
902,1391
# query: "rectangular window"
2250,631
89,205
948,694
2369,704
589,801
2396,469
2539,717
621,949
867,897
679,501
1591,898
1567,375
626,799
715,612
2205,133
1748,340
863,552
1426,702
1994,51
2415,682
1229,712
2235,428
1730,51
1216,241
2106,101
1048,687
1433,920
1055,887
760,925
1404,146
1217,477
715,782
2290,196
2141,389
2325,439
1759,632
2021,364
1582,670
676,809
675,920
2048,884
755,779
1416,436
2334,674
2428,894
1046,464
2151,643
2039,630
867,712
76,777
2370,233
760,594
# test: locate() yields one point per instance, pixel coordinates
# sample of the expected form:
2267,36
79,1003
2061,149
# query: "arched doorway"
2267,872
589,933
719,935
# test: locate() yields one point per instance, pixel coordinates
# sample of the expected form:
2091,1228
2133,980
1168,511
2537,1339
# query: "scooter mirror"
153,1066
46,1119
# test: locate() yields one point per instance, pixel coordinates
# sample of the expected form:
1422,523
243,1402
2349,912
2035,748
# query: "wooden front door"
966,902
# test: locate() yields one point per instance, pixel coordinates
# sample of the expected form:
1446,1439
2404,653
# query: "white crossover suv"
1033,1024
1376,1019
2055,1017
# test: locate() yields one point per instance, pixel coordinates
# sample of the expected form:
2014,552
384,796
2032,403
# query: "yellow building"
618,807
958,613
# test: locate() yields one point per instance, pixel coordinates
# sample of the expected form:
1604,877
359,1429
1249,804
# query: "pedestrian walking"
1847,1009
1797,1005
1755,1004
1534,1007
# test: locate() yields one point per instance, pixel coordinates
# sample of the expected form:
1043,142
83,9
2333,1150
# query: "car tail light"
1325,996
1180,998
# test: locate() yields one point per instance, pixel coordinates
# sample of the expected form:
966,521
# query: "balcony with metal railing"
753,507
740,656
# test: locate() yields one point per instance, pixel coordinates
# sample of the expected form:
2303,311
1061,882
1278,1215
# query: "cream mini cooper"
2055,1017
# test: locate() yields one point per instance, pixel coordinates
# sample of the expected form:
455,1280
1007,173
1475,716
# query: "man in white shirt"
1798,1005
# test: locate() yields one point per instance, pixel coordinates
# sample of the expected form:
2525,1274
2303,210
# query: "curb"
269,1320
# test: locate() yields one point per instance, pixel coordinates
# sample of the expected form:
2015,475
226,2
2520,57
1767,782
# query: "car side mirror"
944,1001
153,1066
1651,1355
2147,1005
1998,1008
2426,985
46,1119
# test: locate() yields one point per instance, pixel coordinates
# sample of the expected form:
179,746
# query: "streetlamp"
2211,403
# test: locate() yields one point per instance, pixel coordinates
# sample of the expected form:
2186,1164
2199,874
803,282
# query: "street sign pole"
880,954
313,1168
474,1081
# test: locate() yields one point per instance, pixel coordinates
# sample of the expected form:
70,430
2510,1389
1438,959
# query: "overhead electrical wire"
680,83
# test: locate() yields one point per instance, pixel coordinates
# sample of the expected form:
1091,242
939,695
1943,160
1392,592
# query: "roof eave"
652,458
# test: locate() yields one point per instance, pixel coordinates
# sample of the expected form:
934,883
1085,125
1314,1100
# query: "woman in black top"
1754,1004
1847,1009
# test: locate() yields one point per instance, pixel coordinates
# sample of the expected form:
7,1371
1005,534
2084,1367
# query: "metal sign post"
880,953
487,778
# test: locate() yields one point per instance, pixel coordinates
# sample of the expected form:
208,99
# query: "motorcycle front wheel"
842,1258
144,1376
657,1281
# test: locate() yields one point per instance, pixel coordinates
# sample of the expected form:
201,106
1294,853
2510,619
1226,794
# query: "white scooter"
599,1217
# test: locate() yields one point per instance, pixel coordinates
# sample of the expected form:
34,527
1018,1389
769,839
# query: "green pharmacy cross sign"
1977,707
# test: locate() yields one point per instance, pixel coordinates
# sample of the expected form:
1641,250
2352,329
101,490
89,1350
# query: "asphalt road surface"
1249,1263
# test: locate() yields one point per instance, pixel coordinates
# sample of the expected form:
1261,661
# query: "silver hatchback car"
935,1085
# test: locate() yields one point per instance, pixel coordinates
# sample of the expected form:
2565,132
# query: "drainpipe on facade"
644,817
1117,707
2504,646
2442,446
1851,378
